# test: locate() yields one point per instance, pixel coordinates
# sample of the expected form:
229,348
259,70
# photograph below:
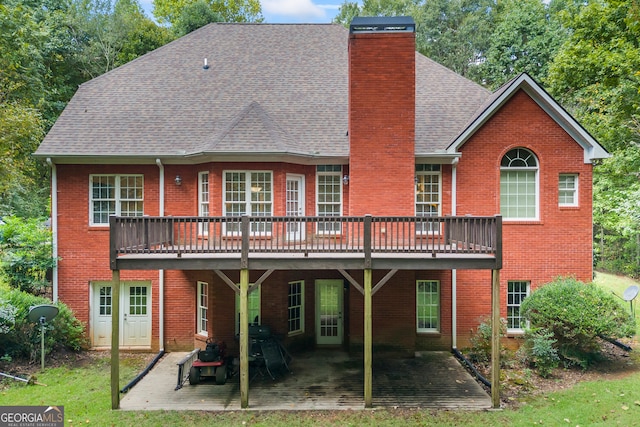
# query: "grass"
617,285
85,393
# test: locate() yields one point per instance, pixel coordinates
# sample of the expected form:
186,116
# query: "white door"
101,322
329,322
136,325
295,206
135,309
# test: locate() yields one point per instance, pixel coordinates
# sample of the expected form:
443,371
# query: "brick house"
287,173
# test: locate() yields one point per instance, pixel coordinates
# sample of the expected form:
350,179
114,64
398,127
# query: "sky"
287,11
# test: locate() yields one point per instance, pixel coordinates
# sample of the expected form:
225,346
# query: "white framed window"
517,291
203,201
248,193
203,194
568,189
121,195
519,185
428,305
253,309
203,308
428,195
295,307
329,196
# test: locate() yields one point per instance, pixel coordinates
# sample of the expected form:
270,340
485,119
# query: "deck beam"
115,339
368,341
495,339
244,338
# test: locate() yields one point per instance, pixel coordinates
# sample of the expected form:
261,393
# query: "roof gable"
592,149
251,129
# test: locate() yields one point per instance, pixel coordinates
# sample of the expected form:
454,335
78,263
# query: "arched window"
519,185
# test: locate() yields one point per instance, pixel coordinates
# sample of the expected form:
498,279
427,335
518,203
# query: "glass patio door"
329,306
295,206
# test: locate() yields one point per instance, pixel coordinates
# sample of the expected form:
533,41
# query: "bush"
538,350
577,314
20,338
26,254
480,351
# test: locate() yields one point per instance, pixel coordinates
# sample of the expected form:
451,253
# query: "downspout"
54,227
161,272
454,272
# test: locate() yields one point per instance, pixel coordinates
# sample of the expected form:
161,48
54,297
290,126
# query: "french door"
295,206
329,308
135,312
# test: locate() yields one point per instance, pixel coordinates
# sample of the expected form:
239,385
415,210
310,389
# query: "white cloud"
299,9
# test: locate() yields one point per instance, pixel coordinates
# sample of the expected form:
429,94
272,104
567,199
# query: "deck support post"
244,338
115,339
368,340
495,338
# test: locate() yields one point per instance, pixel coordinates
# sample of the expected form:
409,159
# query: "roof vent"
382,24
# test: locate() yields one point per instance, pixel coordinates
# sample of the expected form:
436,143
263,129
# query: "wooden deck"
233,243
320,380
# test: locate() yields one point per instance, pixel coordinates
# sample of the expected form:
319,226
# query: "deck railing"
305,235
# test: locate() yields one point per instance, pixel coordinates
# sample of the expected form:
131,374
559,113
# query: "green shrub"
26,254
20,338
480,350
538,350
577,314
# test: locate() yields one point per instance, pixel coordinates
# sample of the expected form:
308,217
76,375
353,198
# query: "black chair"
274,359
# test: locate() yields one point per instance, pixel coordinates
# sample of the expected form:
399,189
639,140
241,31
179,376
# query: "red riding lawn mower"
212,362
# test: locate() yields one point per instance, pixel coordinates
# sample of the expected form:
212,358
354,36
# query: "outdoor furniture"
267,353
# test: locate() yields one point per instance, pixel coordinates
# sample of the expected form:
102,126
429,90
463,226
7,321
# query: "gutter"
454,272
54,227
161,272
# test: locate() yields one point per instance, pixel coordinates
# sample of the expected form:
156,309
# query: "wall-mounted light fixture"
345,180
178,180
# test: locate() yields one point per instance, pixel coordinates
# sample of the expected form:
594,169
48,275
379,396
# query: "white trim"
199,306
247,201
536,172
54,227
527,293
576,198
429,330
592,149
300,330
341,208
117,199
201,202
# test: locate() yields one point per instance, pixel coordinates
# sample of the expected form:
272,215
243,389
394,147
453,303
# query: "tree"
456,33
111,33
453,33
194,16
169,11
525,39
595,75
26,254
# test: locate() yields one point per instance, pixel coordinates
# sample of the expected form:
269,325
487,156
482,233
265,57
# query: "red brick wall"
84,249
560,243
381,123
537,251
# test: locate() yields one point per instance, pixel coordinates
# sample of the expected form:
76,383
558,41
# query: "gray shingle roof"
269,89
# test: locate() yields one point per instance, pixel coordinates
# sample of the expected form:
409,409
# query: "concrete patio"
320,380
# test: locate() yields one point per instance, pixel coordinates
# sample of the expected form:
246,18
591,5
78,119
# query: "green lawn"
85,394
617,285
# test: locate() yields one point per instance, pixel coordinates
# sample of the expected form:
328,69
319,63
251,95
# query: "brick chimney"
382,116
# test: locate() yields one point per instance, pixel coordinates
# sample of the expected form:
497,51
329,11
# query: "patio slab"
320,380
